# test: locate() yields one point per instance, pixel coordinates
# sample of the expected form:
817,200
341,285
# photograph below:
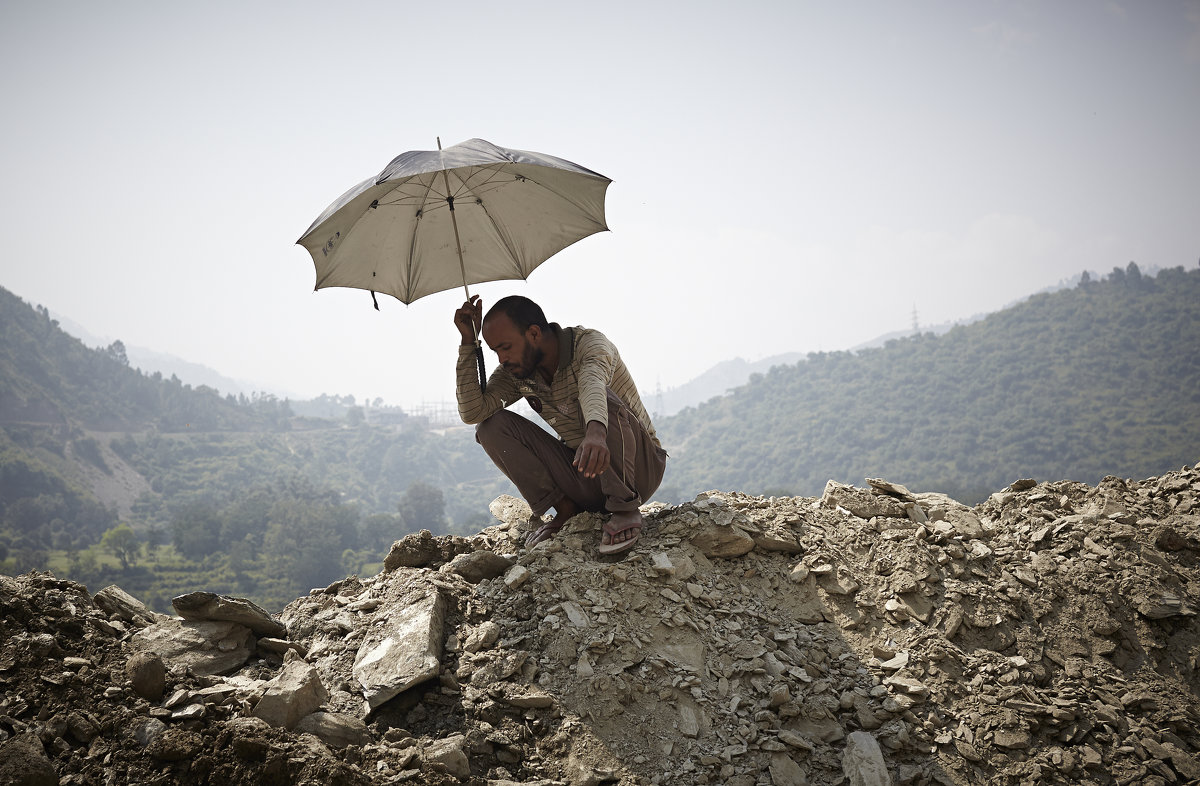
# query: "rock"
294,693
447,755
202,647
222,608
1187,765
415,550
1033,640
967,750
147,731
1162,605
516,576
717,542
529,699
335,729
881,486
482,637
251,740
774,540
147,674
907,685
118,603
476,566
785,771
860,503
1168,538
176,745
280,647
862,761
23,762
661,565
576,615
1011,738
798,741
511,510
689,721
402,653
966,524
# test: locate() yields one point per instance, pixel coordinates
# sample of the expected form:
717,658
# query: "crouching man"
608,457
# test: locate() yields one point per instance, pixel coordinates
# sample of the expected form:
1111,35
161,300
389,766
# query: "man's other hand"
591,457
469,319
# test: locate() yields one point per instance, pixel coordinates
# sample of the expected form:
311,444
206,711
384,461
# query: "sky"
787,176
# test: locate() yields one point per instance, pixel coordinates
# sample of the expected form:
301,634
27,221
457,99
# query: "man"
608,458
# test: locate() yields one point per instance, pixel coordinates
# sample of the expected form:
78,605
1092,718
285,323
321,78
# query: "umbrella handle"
479,363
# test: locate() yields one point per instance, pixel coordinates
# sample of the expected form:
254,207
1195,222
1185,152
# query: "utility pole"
916,324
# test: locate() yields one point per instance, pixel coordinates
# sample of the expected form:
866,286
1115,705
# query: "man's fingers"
591,461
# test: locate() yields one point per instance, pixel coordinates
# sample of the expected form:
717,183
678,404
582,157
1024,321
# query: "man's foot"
563,511
544,532
620,532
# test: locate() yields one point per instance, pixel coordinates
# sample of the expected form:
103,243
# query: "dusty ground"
1048,635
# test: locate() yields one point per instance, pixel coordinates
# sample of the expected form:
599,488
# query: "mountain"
716,381
151,361
1100,378
729,374
94,452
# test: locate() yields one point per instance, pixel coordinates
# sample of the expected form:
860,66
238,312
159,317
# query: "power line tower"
916,323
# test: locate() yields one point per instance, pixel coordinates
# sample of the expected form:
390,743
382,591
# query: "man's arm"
597,358
475,406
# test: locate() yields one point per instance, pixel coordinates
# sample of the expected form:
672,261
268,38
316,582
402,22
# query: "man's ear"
534,333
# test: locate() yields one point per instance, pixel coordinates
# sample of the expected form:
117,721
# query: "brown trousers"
539,465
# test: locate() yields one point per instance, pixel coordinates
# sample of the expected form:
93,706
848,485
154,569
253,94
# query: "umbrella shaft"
457,242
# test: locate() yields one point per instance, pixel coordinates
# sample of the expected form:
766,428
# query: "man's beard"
531,357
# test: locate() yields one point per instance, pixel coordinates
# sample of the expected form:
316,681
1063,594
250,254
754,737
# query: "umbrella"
434,220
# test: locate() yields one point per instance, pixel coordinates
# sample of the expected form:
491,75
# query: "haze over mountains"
717,380
1097,379
1101,378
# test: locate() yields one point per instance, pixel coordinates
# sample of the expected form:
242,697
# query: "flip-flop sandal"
622,526
544,532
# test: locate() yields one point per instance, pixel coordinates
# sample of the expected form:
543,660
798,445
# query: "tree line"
1098,379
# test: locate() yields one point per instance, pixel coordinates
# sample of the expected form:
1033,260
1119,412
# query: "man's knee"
496,426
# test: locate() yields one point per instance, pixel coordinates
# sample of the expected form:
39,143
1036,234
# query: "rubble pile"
872,636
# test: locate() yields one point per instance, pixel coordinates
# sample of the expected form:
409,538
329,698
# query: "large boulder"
403,652
203,647
295,692
209,606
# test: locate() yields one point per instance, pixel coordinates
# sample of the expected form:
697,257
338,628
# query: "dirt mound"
872,636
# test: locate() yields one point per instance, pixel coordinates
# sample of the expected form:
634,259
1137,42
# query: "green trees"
423,506
196,530
305,541
123,544
1075,384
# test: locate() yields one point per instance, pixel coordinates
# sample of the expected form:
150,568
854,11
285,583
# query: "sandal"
621,521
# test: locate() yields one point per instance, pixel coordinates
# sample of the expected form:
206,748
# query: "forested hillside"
109,474
1080,383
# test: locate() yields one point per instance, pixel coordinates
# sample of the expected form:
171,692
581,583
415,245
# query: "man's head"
514,328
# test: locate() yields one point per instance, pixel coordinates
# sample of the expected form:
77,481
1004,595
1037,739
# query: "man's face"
519,356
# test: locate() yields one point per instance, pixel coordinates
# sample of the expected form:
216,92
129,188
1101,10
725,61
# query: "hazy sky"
787,176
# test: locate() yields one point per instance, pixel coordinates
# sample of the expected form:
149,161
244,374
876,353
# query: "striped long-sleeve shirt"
588,365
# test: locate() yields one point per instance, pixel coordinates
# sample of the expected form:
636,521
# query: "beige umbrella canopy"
434,220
